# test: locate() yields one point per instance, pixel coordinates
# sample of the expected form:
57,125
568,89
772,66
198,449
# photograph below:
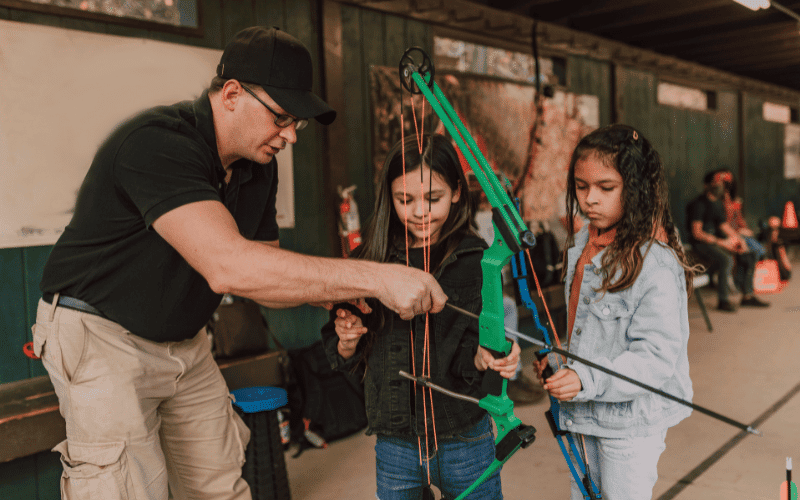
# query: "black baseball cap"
281,65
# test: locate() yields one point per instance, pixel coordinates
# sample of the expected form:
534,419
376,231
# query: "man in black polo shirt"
716,242
177,208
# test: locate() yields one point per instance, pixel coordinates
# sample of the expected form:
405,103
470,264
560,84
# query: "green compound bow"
511,236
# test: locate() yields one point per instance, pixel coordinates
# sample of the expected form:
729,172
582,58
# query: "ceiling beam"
518,6
733,17
710,33
790,75
590,9
779,60
781,78
734,44
672,33
646,17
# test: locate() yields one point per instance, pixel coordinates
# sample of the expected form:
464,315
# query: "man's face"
260,139
717,186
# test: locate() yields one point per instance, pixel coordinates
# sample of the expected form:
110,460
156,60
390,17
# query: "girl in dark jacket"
423,218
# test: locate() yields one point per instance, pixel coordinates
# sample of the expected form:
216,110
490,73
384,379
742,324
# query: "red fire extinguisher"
349,225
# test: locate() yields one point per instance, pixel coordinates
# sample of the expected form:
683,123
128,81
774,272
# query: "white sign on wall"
61,93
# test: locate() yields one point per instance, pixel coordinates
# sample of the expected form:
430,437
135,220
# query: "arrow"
603,369
788,488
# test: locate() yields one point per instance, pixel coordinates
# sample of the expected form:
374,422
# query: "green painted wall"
765,188
691,143
370,39
587,76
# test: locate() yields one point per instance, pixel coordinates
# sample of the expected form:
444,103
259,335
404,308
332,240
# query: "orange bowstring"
405,220
556,341
419,131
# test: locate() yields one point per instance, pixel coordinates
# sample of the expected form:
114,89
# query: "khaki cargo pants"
140,415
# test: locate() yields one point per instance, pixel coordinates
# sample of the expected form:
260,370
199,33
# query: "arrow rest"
408,66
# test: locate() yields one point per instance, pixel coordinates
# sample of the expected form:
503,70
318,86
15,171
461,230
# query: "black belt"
73,303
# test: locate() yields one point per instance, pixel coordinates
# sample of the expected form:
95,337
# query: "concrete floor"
747,369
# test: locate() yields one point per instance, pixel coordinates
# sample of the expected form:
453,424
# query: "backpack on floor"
327,402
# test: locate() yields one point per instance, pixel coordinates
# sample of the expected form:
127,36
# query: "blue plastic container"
256,399
264,467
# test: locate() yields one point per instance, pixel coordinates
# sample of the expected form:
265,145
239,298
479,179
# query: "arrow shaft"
618,375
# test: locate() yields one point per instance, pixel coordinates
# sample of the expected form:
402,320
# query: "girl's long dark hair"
645,199
385,234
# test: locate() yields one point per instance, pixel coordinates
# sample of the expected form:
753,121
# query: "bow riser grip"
491,321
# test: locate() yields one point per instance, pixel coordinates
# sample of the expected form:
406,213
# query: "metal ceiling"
764,45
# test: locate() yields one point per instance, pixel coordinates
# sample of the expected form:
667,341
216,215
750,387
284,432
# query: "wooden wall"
690,142
765,189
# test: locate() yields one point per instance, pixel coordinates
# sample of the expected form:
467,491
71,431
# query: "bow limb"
584,480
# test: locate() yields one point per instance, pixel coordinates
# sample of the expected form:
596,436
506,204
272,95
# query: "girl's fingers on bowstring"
347,316
347,322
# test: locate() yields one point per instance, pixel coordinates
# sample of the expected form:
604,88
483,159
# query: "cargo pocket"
39,339
94,471
241,433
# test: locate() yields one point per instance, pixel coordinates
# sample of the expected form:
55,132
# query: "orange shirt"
596,243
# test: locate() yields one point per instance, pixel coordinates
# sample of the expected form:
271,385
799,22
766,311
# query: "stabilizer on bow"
511,236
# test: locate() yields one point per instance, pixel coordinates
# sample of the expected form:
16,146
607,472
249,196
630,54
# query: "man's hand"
409,291
733,244
361,304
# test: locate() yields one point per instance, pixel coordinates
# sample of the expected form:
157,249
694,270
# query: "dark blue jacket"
454,342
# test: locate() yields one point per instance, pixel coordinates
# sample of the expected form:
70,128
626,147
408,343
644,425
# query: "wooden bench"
30,421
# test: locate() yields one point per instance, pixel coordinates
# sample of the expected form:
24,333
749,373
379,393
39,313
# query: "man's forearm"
281,278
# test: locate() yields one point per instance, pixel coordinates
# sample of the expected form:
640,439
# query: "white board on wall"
61,93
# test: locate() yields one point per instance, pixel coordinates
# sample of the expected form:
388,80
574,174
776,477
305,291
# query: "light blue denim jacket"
641,332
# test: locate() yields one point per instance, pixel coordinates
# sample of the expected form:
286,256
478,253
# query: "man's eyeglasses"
282,121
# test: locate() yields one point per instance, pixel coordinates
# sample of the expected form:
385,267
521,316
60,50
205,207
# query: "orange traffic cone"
766,278
789,216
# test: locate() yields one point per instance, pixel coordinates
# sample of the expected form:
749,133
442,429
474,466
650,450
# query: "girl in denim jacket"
626,285
423,217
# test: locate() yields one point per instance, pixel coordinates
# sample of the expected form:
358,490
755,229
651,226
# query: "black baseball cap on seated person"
281,65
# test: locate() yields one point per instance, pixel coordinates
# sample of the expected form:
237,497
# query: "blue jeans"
623,469
454,467
719,261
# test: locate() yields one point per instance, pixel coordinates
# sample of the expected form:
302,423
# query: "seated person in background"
735,217
714,240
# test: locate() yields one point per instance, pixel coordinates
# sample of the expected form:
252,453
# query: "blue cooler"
264,468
